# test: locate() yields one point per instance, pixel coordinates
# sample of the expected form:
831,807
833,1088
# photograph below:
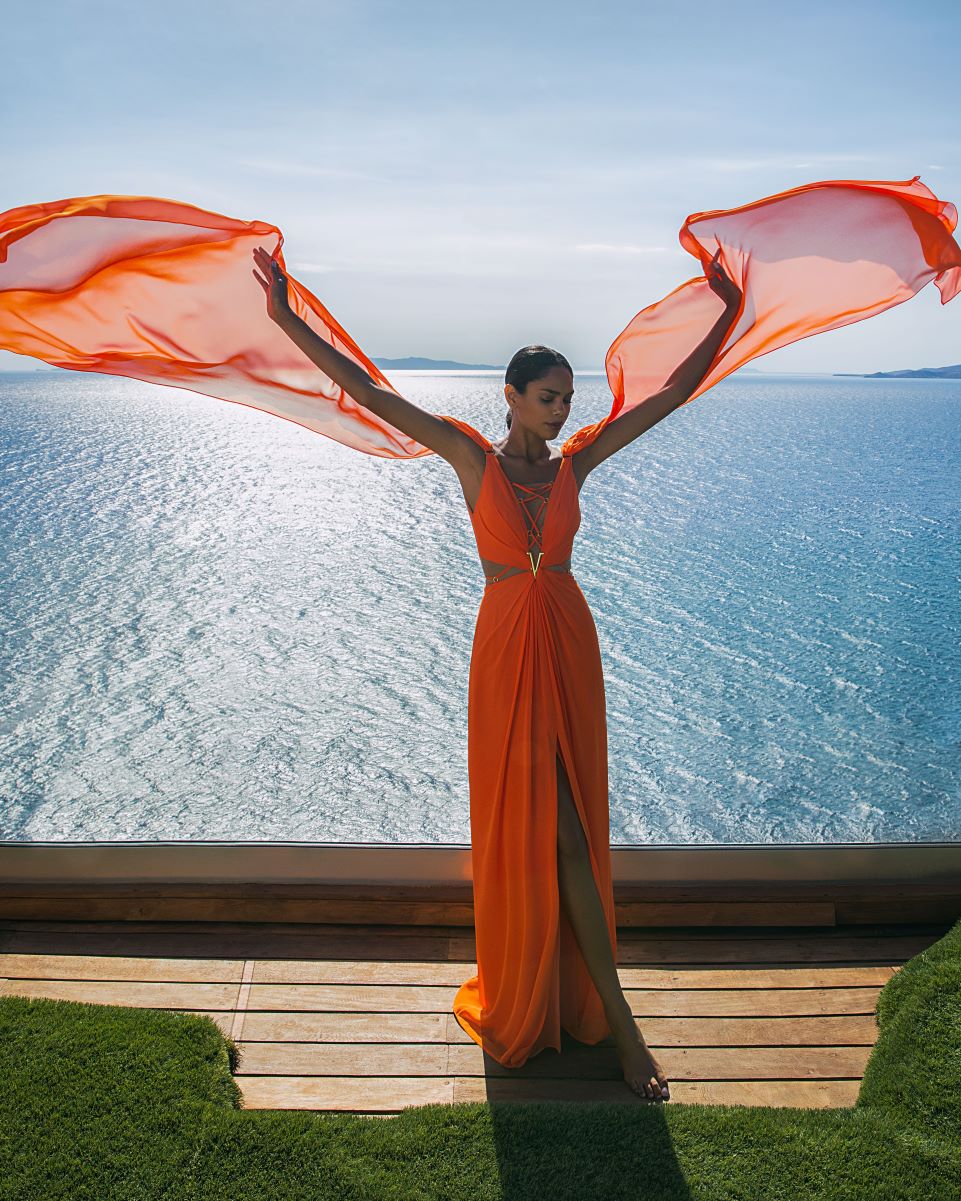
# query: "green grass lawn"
106,1102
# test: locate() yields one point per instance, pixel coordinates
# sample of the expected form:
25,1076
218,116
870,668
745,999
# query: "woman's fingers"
263,258
270,267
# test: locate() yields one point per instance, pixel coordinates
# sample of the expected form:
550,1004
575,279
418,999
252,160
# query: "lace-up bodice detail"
533,503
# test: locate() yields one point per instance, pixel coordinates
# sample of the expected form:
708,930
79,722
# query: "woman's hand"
276,289
721,283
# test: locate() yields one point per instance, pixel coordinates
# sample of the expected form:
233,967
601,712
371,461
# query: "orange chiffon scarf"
163,291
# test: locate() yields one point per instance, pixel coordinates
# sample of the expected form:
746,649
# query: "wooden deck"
353,1017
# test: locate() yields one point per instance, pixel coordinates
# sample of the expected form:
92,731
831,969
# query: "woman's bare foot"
641,1070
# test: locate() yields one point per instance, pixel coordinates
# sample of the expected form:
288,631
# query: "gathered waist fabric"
533,571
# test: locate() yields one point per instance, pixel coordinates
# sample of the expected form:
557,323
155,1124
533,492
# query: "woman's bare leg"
585,913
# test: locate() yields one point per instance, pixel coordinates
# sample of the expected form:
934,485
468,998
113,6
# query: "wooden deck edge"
763,903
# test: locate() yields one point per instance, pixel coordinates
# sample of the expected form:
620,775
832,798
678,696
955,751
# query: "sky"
458,181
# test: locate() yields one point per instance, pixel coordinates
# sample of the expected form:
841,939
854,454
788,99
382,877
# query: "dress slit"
576,985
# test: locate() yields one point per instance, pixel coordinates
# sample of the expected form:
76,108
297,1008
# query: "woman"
537,735
147,287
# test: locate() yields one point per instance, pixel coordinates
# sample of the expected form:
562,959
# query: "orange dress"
536,690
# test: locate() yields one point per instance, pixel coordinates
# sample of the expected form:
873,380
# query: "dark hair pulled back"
530,363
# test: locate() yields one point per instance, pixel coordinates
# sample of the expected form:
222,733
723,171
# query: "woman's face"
545,404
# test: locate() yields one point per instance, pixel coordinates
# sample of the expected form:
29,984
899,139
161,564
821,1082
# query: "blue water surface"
219,625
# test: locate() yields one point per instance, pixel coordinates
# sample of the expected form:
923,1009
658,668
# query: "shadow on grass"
105,1102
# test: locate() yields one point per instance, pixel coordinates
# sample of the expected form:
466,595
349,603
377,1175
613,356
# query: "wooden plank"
661,905
798,1094
344,1092
625,892
809,1031
127,992
299,930
357,998
253,944
344,1059
97,906
386,891
679,1063
600,1063
345,971
424,999
401,946
346,1027
737,890
723,913
198,909
119,967
771,1002
793,1094
346,933
644,1002
899,909
756,977
882,949
443,973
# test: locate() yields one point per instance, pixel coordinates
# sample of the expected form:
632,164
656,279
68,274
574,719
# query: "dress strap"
469,430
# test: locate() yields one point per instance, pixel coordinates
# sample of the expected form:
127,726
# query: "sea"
220,626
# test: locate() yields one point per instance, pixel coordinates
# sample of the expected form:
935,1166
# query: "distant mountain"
918,373
415,364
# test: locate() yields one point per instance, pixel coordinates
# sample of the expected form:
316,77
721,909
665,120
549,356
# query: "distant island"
917,373
415,364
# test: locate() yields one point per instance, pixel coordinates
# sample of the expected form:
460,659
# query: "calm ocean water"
218,625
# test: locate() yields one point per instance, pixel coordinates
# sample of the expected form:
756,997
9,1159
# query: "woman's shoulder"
582,438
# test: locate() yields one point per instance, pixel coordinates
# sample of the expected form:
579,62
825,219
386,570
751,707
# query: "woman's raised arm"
440,436
680,385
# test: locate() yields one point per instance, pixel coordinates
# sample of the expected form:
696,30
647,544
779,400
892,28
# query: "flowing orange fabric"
536,689
807,260
163,291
